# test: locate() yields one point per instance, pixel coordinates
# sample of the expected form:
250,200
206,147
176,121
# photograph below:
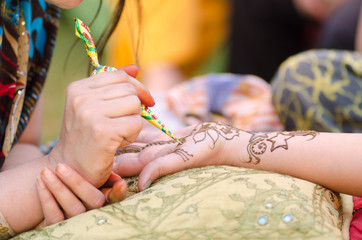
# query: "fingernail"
62,169
47,174
40,183
147,185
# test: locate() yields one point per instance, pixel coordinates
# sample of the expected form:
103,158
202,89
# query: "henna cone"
149,116
82,31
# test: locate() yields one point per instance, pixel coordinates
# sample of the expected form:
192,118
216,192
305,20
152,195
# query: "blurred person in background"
172,39
265,32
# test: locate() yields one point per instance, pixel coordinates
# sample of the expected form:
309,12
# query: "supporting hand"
65,194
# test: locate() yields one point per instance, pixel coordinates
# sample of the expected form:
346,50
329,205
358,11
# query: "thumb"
117,193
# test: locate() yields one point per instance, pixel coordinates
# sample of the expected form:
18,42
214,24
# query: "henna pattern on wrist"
258,143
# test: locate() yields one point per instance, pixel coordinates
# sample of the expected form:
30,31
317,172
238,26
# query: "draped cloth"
27,37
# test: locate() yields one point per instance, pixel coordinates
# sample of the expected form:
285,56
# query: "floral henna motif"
258,142
200,133
183,154
205,131
214,131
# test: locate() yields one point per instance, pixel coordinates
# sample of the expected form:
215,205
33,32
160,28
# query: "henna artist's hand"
102,113
65,194
203,145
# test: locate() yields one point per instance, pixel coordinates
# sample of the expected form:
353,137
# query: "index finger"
171,163
150,136
120,76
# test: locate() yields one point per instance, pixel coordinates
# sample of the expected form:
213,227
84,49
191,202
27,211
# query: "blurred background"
190,47
174,40
69,63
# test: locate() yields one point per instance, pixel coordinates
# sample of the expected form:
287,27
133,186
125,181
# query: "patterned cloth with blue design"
28,30
27,37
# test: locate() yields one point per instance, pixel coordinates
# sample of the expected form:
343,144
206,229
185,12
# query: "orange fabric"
183,33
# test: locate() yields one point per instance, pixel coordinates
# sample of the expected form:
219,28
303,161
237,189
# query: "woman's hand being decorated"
202,145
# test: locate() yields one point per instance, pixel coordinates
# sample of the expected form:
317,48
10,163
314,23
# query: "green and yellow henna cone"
82,31
147,114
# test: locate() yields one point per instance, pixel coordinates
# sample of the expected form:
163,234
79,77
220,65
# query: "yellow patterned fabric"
320,90
212,203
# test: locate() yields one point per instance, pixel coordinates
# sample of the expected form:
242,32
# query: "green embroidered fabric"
216,202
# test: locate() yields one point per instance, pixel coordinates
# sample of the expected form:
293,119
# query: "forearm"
19,202
329,159
21,153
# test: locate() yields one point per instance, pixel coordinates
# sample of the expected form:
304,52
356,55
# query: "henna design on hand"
183,154
201,132
214,131
258,142
137,149
129,149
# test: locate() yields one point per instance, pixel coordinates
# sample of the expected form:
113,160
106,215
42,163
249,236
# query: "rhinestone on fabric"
287,218
262,220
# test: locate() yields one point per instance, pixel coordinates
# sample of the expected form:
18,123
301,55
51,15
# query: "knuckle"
122,75
135,102
55,185
130,88
76,209
74,98
84,114
77,101
97,201
158,169
98,130
58,217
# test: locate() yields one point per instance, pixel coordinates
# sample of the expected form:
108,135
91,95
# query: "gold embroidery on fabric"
18,101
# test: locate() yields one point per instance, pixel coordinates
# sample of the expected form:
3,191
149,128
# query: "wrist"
230,142
54,158
236,150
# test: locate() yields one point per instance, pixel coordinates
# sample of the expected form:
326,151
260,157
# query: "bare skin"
67,188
